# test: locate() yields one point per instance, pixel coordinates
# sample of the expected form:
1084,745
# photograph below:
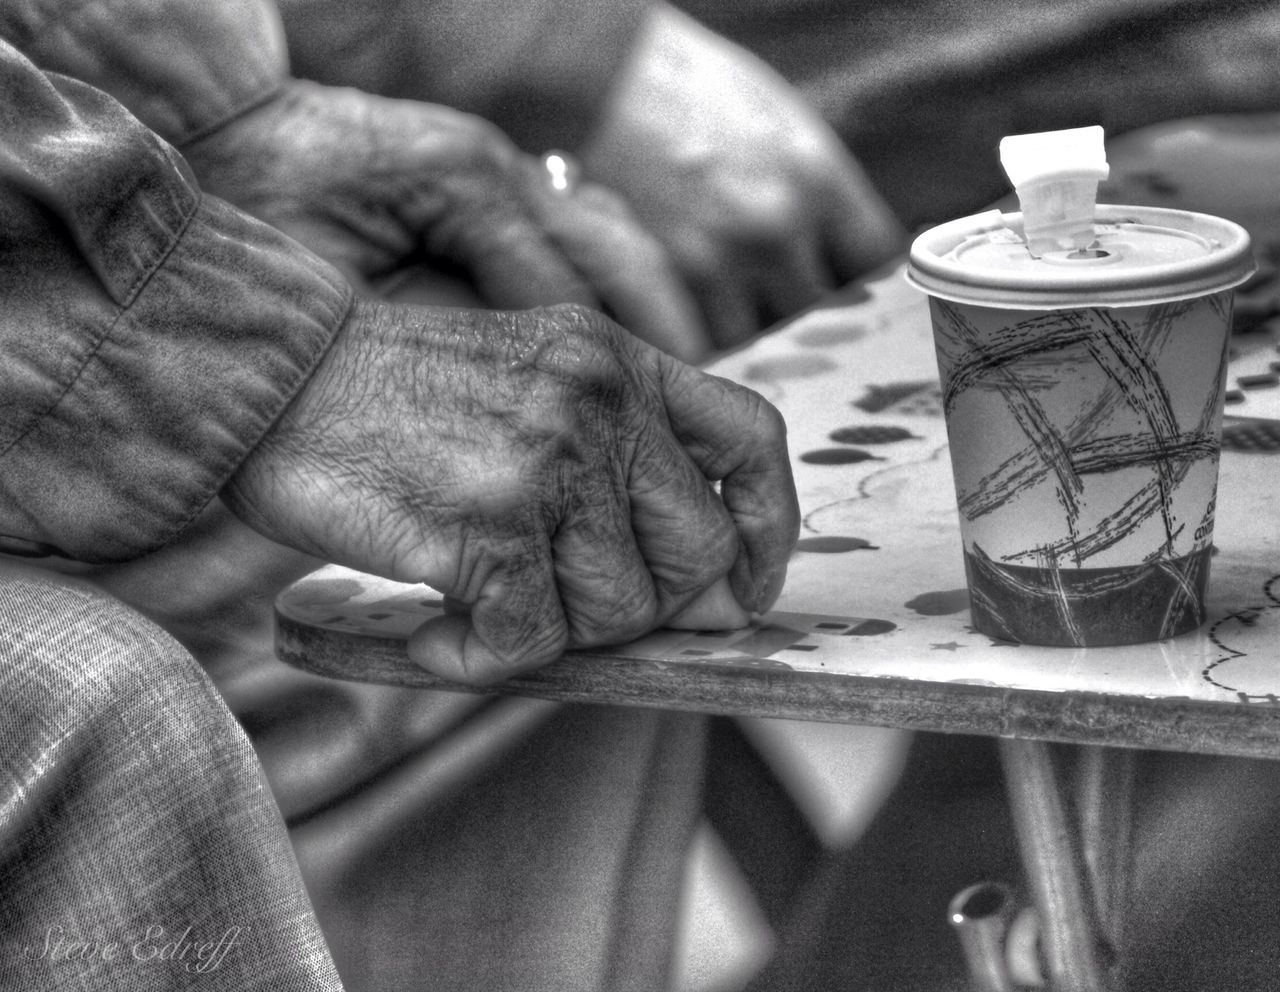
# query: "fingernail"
769,589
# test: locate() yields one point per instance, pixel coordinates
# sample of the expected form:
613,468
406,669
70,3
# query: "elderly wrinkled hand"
758,201
375,185
568,484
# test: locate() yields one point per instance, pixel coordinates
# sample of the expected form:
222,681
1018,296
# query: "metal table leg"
1076,852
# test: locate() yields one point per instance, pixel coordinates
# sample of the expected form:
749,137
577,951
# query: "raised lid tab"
1056,176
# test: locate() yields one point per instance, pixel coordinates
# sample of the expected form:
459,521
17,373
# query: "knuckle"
773,213
757,417
579,344
525,630
577,320
759,428
615,615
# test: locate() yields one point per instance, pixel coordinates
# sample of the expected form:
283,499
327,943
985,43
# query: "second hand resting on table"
754,201
380,186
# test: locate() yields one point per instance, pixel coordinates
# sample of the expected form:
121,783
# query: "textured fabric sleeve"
149,335
182,67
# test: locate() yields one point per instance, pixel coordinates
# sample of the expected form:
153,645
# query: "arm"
376,186
549,473
758,204
560,493
150,336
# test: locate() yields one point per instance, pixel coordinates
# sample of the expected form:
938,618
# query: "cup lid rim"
933,269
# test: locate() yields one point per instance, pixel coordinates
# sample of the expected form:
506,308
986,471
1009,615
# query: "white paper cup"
1083,396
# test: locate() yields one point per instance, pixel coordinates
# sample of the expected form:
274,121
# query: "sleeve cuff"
171,398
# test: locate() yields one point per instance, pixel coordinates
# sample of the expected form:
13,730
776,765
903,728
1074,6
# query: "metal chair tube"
1069,934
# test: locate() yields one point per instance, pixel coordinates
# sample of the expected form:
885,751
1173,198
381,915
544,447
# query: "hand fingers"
860,232
683,530
744,297
513,262
798,280
606,588
715,608
515,624
592,586
779,247
731,313
626,267
736,437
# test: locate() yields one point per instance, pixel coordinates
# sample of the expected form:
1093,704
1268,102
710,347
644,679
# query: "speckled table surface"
874,625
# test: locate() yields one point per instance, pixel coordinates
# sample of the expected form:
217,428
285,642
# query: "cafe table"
873,625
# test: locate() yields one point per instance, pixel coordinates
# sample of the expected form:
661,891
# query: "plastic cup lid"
1142,255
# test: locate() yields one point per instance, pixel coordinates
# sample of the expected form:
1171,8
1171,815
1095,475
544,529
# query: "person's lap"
482,841
128,796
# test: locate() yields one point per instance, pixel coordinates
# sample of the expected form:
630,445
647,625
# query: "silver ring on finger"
563,172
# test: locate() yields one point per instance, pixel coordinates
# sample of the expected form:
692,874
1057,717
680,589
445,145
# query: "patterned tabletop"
873,625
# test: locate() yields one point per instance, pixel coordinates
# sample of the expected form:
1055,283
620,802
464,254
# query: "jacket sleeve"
182,67
149,336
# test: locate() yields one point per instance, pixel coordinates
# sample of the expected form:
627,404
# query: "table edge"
1249,729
